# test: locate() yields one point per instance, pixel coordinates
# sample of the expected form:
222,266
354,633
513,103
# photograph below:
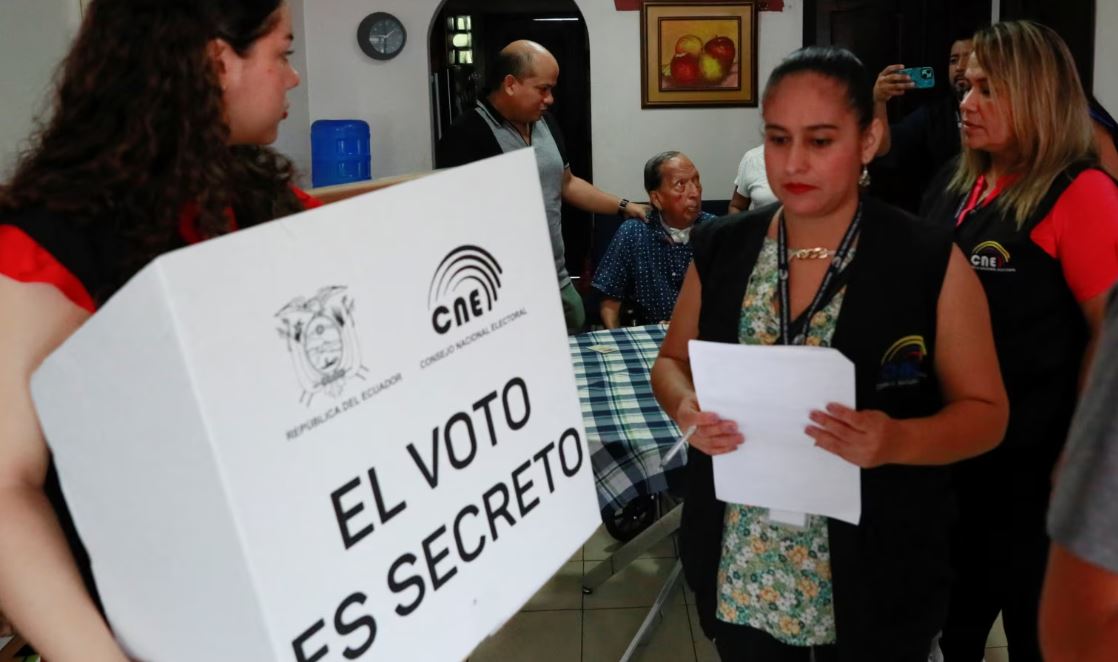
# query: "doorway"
885,32
1074,21
467,34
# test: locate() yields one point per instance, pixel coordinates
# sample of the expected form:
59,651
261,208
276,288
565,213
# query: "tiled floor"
560,624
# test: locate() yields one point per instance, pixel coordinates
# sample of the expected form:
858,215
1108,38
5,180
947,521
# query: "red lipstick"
796,188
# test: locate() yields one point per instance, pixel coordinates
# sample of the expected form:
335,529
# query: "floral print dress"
773,577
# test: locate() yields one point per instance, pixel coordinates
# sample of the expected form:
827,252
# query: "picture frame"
699,54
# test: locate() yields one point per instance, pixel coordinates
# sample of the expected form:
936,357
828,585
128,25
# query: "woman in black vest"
156,140
1039,225
866,279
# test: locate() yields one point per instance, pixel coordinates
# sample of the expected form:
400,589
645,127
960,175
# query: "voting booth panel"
353,433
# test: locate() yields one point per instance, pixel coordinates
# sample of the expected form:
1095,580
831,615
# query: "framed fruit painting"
698,54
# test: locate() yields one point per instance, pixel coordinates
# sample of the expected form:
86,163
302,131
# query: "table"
627,432
628,435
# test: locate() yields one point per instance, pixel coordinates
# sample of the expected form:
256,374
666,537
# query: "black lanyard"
796,334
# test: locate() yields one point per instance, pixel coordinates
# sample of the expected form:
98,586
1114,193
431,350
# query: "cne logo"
990,256
465,286
322,341
902,364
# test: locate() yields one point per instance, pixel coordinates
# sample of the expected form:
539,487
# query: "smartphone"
924,77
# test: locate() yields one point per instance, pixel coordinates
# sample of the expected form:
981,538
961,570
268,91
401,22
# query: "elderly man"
645,263
508,118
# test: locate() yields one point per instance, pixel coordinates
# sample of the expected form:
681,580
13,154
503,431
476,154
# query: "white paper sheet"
769,392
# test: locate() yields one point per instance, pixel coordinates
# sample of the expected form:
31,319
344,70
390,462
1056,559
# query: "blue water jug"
339,152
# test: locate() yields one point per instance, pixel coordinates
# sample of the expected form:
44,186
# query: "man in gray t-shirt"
512,116
1079,610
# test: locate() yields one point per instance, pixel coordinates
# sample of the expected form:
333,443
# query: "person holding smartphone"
915,148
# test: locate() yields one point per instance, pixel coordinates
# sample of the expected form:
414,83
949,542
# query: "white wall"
1106,54
391,96
34,36
394,97
624,136
341,82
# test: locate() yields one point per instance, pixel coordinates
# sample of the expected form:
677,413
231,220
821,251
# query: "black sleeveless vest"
890,573
1039,329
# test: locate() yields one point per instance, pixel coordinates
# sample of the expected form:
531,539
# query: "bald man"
508,118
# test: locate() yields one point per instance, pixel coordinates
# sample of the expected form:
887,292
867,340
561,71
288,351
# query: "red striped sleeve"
24,260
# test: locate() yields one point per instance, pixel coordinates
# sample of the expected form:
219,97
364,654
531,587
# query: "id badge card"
788,518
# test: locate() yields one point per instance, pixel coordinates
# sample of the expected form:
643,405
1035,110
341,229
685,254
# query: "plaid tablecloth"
627,431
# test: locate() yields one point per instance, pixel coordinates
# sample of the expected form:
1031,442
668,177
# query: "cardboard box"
349,434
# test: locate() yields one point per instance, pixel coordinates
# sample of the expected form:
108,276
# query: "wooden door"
1074,21
910,32
883,32
874,30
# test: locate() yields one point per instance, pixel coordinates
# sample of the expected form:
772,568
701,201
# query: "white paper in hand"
769,391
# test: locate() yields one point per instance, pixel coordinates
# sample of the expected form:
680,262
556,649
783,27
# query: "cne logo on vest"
903,363
991,256
465,286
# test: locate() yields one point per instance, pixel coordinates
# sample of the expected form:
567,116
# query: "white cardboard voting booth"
349,434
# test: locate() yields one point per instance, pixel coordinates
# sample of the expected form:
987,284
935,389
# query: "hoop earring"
864,180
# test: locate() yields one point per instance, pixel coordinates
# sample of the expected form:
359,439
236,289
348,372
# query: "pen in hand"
678,446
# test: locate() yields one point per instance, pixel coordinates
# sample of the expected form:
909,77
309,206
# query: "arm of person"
1094,309
671,376
40,586
1078,610
1081,232
610,310
587,197
889,84
976,408
1079,603
1108,155
738,202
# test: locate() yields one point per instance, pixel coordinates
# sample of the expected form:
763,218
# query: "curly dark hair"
138,129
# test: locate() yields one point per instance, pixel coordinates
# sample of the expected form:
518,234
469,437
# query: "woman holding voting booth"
831,268
156,142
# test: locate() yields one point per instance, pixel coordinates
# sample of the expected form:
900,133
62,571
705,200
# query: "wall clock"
381,36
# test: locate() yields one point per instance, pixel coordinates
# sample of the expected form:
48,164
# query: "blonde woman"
1038,222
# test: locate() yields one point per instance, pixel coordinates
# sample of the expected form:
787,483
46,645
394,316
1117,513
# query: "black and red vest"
87,252
1039,329
86,262
890,572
